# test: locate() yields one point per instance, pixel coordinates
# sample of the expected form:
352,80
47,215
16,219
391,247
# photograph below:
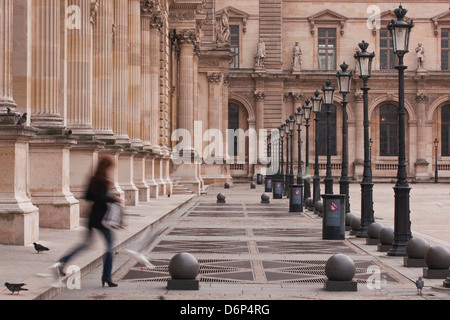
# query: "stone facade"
118,77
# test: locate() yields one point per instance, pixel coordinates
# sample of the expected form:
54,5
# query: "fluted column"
45,64
185,117
120,70
421,162
146,92
102,86
6,24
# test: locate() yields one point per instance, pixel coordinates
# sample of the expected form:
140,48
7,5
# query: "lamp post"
364,60
400,31
299,121
317,107
307,116
291,134
344,81
328,97
286,176
436,143
281,131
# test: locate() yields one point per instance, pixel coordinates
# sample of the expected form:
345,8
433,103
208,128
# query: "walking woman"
98,194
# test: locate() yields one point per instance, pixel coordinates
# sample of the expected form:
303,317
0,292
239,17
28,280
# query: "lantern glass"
291,124
307,110
317,103
400,31
344,79
299,116
328,93
286,127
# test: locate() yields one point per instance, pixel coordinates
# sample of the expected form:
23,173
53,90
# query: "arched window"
388,130
233,124
445,129
322,133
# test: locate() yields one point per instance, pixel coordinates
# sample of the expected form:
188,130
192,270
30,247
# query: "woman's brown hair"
101,174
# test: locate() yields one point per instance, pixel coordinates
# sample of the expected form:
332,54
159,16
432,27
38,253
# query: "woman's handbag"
113,218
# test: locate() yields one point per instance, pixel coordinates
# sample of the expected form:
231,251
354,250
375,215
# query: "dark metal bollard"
278,189
333,226
259,178
268,184
295,198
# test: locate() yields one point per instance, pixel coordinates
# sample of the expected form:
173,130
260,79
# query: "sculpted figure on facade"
224,33
297,58
420,53
260,55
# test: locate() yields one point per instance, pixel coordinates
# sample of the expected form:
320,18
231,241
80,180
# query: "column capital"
359,97
297,96
214,77
260,95
421,97
186,36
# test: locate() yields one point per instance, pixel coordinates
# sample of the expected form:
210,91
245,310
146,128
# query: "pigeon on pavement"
419,285
139,257
15,287
39,248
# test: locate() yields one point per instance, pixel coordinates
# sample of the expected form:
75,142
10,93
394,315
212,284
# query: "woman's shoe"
110,283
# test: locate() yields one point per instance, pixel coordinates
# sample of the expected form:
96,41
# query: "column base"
422,174
58,211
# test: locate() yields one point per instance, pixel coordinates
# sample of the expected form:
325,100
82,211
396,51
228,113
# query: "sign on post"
333,226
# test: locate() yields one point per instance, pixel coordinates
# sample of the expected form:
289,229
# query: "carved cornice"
147,7
214,77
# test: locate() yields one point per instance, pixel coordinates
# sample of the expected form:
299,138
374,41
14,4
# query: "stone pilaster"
126,176
79,64
421,162
6,44
120,70
134,77
150,176
359,132
139,175
102,72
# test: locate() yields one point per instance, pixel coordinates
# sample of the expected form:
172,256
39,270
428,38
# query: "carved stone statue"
420,52
224,33
260,55
297,58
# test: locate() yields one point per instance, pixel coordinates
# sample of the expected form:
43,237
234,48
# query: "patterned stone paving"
251,237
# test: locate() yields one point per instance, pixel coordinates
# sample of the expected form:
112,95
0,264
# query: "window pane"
445,128
322,62
388,130
444,43
331,60
383,59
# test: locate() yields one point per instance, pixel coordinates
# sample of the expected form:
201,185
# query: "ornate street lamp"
317,108
344,81
436,144
364,60
328,98
299,121
400,31
307,108
281,136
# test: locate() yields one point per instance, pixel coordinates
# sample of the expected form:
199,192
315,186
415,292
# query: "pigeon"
53,277
139,257
22,120
15,287
68,133
10,112
39,247
419,285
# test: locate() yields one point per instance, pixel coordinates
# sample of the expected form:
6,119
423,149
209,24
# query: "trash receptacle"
268,184
295,198
333,226
278,189
259,179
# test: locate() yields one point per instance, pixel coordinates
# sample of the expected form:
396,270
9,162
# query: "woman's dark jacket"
99,195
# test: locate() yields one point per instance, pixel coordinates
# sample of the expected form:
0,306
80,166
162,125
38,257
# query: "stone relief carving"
420,53
260,55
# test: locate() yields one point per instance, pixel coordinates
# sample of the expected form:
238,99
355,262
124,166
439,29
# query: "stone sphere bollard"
265,198
437,257
416,248
374,229
252,185
348,218
386,236
356,223
318,206
309,202
340,267
220,198
184,266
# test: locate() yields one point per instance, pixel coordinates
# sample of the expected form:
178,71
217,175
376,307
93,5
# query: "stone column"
359,132
187,171
50,149
150,176
139,175
146,92
126,176
6,44
134,69
421,162
79,64
102,73
260,96
120,71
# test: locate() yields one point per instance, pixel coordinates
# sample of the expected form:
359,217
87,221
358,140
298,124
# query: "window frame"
391,127
327,49
390,65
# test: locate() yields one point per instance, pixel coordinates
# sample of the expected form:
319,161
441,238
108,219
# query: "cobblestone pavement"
253,251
